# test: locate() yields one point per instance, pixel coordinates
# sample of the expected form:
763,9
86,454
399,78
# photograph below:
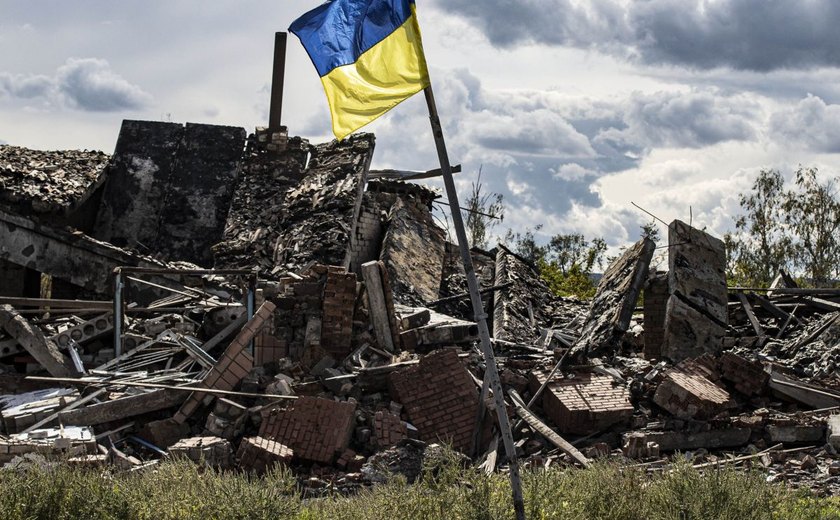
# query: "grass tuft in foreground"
180,490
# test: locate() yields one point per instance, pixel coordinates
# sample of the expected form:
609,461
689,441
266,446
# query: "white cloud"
811,123
86,84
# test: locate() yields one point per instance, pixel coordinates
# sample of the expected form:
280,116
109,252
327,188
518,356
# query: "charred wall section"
169,183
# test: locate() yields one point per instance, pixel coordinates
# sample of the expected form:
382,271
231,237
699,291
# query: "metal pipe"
118,315
492,371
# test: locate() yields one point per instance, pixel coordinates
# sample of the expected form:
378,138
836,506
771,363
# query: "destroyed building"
252,300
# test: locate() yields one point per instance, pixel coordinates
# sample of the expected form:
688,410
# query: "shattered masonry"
346,384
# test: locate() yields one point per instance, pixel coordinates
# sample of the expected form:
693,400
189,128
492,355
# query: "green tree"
812,212
566,263
761,243
484,212
525,245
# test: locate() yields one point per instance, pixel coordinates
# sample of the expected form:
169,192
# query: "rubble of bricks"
350,461
339,306
655,308
232,366
268,348
388,429
258,454
748,377
315,429
584,404
691,396
298,303
706,366
212,451
439,397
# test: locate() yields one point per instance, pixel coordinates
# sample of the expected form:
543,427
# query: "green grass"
181,490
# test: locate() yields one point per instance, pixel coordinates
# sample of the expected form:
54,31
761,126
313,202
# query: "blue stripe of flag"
337,32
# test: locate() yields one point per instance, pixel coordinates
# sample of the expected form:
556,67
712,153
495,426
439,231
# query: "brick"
259,454
584,404
435,409
315,429
691,396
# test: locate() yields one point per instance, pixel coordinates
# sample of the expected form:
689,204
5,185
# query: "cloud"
685,120
811,123
86,84
739,34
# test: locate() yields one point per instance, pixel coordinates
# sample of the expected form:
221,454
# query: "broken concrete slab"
614,301
122,408
710,439
415,277
795,434
697,303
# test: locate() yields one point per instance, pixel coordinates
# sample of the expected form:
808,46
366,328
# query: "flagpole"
492,371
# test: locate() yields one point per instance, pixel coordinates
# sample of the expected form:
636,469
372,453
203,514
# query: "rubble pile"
335,336
37,182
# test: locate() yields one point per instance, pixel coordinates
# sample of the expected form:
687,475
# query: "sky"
572,109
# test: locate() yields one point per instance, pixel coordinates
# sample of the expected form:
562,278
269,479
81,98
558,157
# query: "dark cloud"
811,123
741,34
86,84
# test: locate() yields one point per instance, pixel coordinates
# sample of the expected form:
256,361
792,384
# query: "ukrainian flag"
368,54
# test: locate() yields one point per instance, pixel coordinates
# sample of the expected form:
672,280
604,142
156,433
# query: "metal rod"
478,307
468,210
252,303
197,389
118,315
277,79
194,272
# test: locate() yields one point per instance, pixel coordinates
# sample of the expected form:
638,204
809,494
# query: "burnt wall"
169,187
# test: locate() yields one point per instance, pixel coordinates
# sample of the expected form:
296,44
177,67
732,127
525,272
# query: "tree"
796,229
484,212
813,214
525,245
761,243
568,263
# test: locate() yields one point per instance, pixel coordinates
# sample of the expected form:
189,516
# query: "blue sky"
573,108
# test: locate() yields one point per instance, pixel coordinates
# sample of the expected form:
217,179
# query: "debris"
334,335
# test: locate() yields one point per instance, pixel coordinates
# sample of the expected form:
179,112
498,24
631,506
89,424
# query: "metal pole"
277,79
118,316
478,308
251,302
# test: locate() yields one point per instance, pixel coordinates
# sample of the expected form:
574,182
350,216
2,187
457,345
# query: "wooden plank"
543,429
377,305
122,408
751,315
770,307
802,392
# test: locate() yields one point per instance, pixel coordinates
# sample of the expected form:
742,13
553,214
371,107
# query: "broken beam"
541,428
